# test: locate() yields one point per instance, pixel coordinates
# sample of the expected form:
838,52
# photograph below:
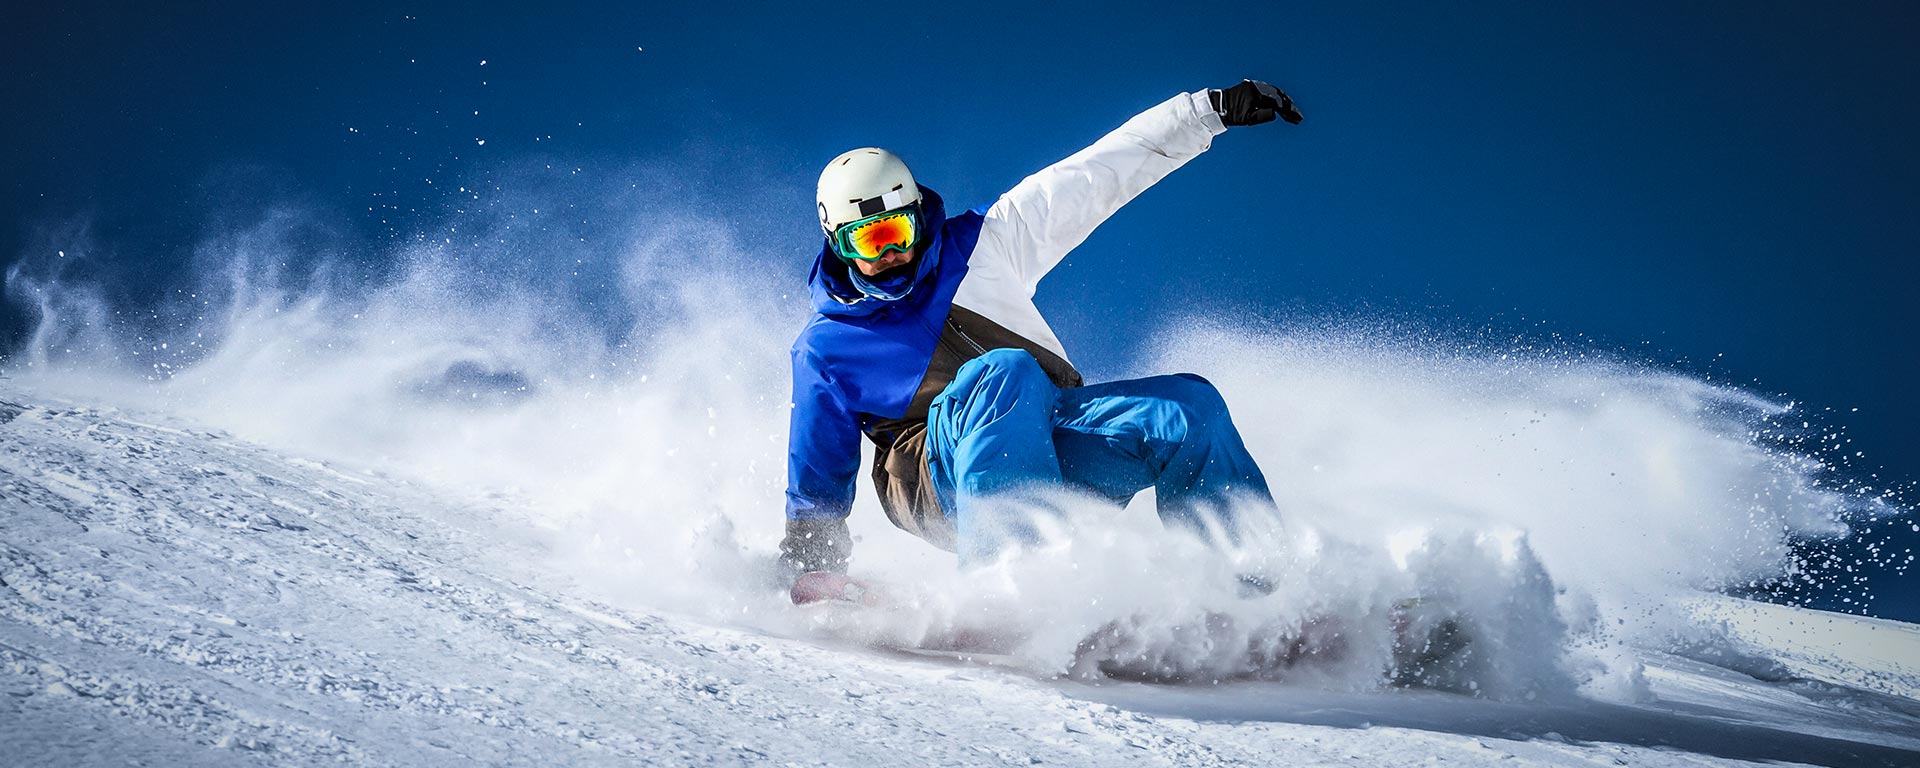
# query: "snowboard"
826,587
888,617
1431,647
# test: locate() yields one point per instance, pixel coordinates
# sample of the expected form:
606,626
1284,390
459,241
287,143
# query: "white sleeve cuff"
1203,108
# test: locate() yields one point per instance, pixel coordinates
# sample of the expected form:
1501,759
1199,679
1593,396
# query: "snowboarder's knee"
1008,363
1199,400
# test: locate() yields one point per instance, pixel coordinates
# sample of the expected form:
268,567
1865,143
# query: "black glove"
1253,102
815,545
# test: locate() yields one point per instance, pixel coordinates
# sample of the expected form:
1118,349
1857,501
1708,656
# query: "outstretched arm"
1035,224
823,456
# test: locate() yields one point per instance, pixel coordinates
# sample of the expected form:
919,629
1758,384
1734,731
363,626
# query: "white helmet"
861,183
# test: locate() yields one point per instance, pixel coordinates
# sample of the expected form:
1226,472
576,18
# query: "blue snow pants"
1002,434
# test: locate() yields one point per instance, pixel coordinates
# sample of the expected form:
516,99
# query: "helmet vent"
897,187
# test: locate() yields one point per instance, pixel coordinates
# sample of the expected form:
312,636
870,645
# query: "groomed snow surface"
171,595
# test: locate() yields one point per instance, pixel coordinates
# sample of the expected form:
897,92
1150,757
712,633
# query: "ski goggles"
875,236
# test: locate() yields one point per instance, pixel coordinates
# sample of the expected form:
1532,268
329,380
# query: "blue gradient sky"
1726,189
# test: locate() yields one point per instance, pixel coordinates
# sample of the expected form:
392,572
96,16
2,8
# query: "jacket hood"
831,284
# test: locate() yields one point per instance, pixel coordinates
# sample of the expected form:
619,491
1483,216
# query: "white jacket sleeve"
1046,215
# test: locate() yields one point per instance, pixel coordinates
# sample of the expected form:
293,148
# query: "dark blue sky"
1725,188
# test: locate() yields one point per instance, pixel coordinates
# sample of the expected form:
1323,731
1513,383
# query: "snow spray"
625,392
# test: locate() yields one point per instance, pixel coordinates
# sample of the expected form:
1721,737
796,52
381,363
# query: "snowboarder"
927,340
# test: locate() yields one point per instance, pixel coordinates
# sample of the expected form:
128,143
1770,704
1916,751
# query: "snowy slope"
176,596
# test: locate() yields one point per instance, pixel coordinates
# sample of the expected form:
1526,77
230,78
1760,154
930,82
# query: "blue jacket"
860,360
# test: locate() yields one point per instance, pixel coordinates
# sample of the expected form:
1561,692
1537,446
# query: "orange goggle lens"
875,236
